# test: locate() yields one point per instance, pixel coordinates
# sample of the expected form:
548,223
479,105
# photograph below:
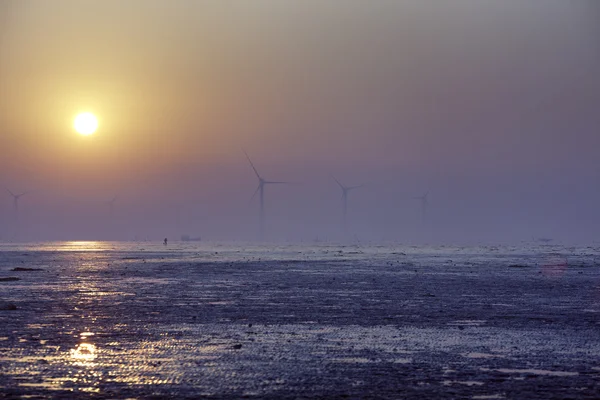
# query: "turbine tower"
424,204
16,198
345,191
261,190
111,206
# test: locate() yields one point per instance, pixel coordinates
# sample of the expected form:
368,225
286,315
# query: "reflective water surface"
104,319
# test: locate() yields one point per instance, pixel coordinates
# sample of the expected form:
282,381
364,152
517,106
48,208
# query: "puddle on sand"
352,360
30,359
46,384
482,355
532,372
364,360
467,322
38,326
467,383
149,280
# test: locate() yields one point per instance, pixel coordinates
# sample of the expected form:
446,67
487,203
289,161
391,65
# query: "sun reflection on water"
83,245
84,354
87,377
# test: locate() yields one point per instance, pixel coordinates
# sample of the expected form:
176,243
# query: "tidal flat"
211,320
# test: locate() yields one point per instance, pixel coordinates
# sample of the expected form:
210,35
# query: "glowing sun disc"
85,123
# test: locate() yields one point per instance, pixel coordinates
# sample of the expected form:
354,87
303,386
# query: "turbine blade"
254,195
276,182
356,187
8,190
338,182
251,164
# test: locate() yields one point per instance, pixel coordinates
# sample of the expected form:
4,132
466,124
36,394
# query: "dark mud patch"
7,307
25,269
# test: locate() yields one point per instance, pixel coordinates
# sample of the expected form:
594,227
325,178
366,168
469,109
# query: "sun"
85,123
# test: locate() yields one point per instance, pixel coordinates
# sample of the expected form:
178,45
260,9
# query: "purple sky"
491,106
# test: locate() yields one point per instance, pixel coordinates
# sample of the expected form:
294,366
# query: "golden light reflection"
87,378
84,353
82,245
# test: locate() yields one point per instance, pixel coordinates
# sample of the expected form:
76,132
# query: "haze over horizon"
492,107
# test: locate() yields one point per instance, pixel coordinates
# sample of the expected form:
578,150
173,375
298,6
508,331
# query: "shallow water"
230,320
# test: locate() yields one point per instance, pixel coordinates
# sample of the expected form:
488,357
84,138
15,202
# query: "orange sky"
436,87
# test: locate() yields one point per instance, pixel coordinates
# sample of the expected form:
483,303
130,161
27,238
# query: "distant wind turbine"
261,190
111,206
16,198
345,191
424,203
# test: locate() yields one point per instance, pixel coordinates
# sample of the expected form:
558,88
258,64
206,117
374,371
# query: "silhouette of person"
165,241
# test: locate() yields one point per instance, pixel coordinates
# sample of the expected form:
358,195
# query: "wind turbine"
261,190
424,203
111,206
345,191
16,198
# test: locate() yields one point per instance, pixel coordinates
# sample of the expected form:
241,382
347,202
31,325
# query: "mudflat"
299,321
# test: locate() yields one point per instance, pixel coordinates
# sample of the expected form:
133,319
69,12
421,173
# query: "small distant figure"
165,242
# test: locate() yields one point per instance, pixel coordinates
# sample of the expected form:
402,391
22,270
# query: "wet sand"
317,322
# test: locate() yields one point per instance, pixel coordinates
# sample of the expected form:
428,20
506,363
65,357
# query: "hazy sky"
492,106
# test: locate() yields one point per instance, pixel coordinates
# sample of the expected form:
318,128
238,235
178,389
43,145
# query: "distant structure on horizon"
424,204
261,190
16,198
188,238
111,206
345,191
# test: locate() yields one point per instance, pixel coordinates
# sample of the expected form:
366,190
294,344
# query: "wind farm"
347,232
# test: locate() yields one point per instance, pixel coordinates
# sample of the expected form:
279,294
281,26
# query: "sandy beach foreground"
106,320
